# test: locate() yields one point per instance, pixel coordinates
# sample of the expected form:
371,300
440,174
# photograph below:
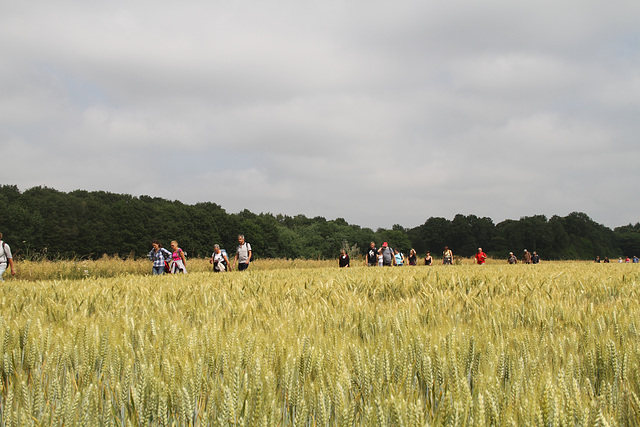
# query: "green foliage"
43,222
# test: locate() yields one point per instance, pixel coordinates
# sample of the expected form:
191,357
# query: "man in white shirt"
243,254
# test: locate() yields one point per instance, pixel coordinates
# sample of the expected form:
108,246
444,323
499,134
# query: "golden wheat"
553,344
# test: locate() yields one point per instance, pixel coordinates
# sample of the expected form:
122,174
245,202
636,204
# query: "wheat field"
554,344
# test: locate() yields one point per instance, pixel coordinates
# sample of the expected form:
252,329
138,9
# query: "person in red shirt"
480,257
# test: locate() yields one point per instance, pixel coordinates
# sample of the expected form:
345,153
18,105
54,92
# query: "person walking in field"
399,258
447,256
387,255
480,257
178,259
512,258
535,258
219,260
6,259
371,258
158,255
428,260
343,260
243,254
413,257
526,257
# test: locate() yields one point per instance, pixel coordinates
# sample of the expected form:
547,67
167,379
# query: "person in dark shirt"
343,261
428,259
371,259
535,259
413,257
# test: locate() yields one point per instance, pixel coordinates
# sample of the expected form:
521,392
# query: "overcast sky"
378,112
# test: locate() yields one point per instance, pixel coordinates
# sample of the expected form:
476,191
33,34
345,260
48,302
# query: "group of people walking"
386,256
527,258
167,262
175,261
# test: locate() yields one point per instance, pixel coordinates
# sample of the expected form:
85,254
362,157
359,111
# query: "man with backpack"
243,254
6,259
388,257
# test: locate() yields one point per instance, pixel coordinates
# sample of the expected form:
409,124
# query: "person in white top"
243,254
6,259
219,260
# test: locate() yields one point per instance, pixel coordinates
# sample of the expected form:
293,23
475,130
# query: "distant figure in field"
606,260
635,259
480,257
380,260
512,258
399,257
343,261
243,254
627,260
535,259
158,255
526,257
447,256
620,260
387,255
428,259
219,260
6,259
597,259
178,259
371,258
413,257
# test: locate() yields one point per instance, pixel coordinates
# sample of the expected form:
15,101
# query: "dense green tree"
628,240
45,222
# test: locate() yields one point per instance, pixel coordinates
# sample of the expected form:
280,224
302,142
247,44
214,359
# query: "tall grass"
553,344
107,267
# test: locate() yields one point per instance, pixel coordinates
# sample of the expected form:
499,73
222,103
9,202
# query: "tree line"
44,222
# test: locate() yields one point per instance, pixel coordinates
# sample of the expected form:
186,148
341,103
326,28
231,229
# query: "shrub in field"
554,344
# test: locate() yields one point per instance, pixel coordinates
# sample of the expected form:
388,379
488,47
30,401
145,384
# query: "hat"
385,244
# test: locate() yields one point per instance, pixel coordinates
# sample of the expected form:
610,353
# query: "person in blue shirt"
399,256
158,255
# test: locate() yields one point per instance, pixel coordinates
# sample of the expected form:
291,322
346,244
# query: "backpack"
223,252
4,253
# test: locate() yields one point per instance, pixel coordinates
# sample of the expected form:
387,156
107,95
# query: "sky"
377,112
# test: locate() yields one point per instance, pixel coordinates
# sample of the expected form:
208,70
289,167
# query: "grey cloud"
376,112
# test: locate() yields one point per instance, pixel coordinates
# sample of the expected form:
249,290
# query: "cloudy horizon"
376,112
